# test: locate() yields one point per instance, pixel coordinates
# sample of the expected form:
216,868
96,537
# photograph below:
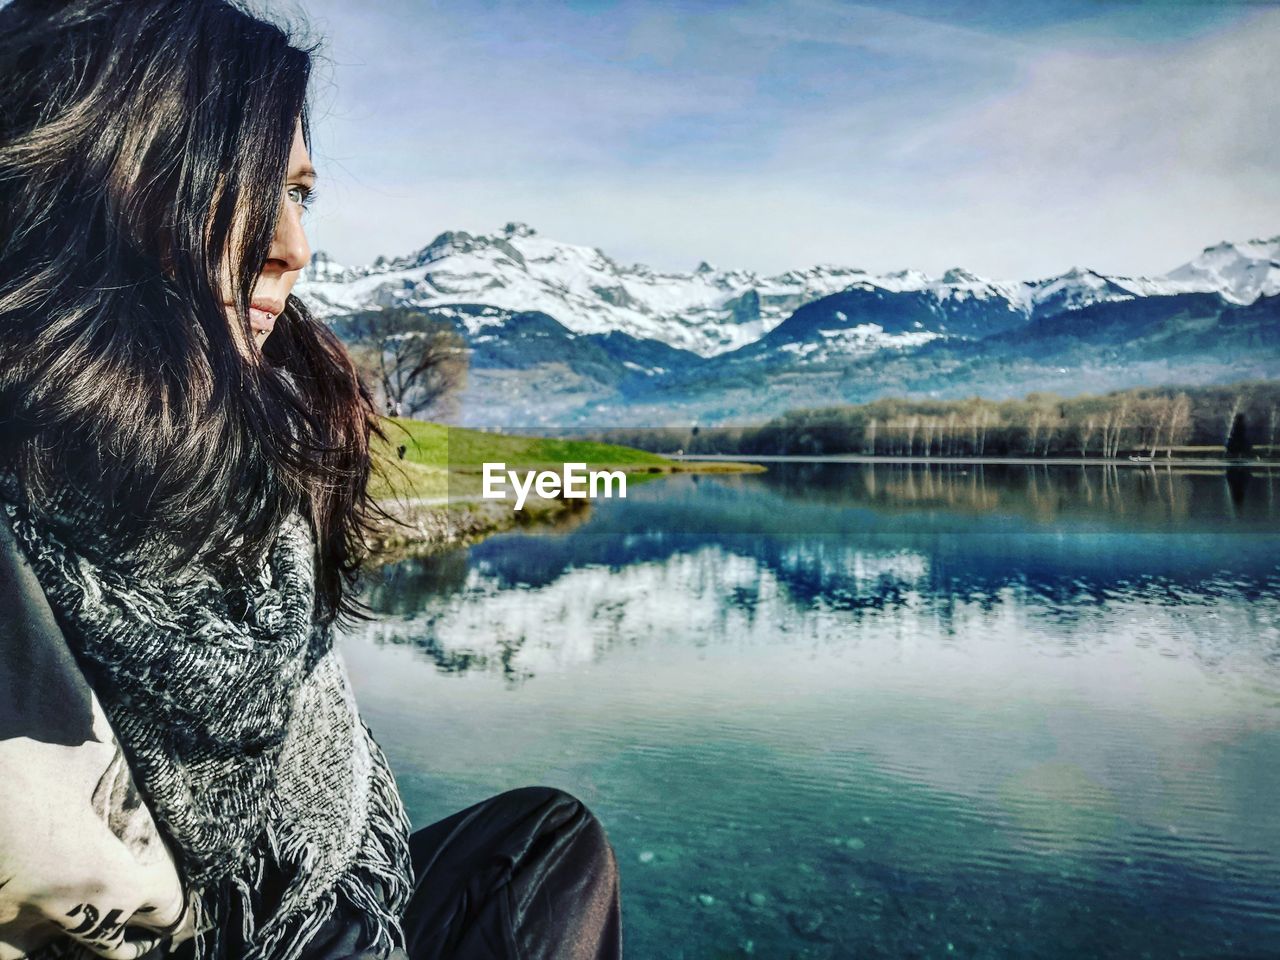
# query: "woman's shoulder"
77,845
43,694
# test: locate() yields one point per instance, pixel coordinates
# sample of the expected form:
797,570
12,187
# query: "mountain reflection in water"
841,710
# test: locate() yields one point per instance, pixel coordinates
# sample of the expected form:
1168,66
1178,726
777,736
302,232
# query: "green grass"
441,461
434,490
435,445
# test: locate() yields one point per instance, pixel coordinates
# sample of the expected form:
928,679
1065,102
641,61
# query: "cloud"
776,135
1206,107
878,30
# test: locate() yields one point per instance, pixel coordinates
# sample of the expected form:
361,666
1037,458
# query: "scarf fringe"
376,886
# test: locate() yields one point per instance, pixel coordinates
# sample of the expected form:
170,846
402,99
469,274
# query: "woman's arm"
80,854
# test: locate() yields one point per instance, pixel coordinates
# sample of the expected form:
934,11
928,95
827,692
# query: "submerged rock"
850,843
807,923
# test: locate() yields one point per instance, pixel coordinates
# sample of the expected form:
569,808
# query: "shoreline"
1217,462
423,526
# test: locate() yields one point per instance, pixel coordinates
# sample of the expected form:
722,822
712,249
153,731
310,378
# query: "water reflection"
1148,497
924,546
839,711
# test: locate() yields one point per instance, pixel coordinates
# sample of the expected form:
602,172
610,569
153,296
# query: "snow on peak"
904,280
516,229
1075,289
713,310
322,267
1241,272
1084,275
708,311
959,275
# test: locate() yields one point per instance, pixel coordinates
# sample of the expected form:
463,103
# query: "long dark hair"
135,135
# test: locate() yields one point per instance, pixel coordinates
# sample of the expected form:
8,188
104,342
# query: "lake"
874,710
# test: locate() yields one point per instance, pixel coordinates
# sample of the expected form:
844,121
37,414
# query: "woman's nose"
289,246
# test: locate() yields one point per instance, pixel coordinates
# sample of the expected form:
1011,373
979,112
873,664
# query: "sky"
1014,139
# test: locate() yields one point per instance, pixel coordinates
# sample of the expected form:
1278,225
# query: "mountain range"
563,335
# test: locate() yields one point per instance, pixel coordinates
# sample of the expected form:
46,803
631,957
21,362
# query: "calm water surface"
893,711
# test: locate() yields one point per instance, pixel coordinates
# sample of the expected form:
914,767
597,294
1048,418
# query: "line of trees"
1240,420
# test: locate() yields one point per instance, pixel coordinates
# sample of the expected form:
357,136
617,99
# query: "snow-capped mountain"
707,311
1238,272
1241,272
710,311
560,333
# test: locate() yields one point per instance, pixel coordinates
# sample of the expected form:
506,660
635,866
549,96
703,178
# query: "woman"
184,455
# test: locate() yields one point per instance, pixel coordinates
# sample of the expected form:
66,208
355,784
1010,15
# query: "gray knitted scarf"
239,724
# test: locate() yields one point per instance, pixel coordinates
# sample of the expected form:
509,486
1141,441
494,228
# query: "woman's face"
289,251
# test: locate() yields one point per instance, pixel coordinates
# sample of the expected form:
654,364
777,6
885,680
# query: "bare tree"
1115,425
1086,434
417,362
988,418
1033,430
1153,417
1236,403
1052,427
1179,423
930,427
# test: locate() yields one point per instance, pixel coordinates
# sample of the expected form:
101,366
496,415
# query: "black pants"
527,874
524,875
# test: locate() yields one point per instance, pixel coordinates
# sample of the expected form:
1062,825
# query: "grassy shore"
429,478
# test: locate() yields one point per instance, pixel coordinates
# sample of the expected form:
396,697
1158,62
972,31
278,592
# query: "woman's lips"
262,320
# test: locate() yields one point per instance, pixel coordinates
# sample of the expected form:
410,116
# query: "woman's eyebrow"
305,173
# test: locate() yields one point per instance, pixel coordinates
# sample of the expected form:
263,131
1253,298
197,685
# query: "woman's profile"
184,459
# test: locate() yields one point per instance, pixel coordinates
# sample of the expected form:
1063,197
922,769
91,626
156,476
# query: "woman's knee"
557,805
536,797
565,885
567,814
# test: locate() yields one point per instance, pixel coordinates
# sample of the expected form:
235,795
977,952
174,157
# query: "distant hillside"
562,335
1167,422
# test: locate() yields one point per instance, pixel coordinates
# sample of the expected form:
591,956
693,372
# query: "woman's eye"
301,195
